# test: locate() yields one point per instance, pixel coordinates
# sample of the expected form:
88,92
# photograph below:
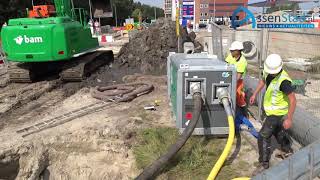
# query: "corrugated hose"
121,92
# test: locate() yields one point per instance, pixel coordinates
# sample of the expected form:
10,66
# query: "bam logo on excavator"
19,40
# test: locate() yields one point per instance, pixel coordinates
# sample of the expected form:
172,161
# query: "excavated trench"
9,170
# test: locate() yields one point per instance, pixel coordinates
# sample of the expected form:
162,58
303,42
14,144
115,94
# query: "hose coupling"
222,93
195,88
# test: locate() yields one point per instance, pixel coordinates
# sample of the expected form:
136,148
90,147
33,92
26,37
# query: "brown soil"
148,50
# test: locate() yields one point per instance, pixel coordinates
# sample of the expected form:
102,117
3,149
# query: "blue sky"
158,3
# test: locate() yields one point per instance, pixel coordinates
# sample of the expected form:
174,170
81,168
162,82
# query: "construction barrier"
119,28
105,38
129,27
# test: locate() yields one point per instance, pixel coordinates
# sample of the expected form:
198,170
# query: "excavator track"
79,68
76,69
20,72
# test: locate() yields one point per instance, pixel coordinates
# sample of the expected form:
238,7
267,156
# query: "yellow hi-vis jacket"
240,65
275,101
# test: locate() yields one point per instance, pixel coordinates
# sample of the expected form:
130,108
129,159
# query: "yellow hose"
223,97
215,170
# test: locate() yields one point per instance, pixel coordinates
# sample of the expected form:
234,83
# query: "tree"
136,14
291,6
10,9
124,8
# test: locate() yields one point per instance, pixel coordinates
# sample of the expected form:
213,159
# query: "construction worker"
279,105
90,23
97,27
236,58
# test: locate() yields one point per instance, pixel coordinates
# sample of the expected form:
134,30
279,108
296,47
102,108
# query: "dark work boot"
285,143
284,153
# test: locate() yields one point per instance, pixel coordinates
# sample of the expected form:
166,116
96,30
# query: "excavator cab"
42,9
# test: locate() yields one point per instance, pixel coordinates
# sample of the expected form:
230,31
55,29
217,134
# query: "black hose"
151,171
121,92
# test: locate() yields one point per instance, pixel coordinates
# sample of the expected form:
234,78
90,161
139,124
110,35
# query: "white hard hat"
236,45
273,64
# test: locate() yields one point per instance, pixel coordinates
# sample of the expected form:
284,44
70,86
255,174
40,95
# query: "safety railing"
300,50
217,40
304,164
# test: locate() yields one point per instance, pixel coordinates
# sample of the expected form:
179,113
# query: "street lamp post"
116,15
214,11
194,15
114,7
90,9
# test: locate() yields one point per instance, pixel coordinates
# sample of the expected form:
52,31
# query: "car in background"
202,26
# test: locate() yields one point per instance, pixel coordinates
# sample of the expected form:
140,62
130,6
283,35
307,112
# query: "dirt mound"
148,49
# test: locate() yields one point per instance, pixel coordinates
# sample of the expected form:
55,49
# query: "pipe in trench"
306,127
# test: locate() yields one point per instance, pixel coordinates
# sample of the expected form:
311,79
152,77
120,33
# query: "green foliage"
128,8
290,6
15,9
148,12
136,14
12,9
124,8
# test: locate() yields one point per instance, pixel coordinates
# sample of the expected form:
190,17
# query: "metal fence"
106,29
305,164
300,50
217,41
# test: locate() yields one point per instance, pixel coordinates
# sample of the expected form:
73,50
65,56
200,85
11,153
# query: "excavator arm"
64,8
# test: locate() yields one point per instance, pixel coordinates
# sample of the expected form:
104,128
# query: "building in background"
207,11
168,8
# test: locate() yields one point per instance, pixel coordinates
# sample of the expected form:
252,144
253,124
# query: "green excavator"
55,37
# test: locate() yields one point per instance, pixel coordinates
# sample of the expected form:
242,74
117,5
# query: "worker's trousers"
240,95
273,125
